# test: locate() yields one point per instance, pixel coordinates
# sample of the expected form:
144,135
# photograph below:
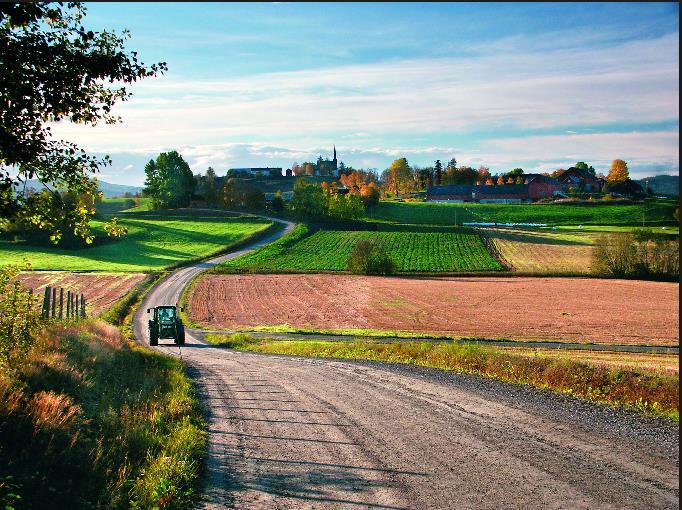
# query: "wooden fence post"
82,306
61,303
68,304
76,315
46,303
54,301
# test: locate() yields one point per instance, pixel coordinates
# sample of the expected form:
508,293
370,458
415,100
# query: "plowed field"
101,290
569,309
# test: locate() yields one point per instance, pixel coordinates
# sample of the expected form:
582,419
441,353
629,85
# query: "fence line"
75,304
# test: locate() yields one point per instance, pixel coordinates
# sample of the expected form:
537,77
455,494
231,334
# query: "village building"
258,171
579,179
534,187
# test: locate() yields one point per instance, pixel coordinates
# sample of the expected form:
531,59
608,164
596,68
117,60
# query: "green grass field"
328,250
153,242
654,212
123,205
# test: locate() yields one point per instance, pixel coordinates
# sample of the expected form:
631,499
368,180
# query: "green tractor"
166,324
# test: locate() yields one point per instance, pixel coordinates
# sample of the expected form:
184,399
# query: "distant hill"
110,190
662,184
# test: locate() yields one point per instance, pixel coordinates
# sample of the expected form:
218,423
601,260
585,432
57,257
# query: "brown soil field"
568,309
101,290
543,252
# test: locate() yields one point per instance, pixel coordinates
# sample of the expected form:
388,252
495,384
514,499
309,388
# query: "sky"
536,86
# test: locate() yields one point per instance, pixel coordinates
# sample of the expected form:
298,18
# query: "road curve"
289,432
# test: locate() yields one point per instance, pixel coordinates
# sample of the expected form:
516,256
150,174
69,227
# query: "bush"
19,318
640,253
369,257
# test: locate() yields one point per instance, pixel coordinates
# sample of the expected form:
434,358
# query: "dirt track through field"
567,309
287,432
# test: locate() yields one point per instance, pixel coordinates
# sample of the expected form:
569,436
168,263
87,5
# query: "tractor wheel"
153,334
181,335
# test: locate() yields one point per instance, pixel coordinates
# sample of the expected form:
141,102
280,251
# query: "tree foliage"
170,182
54,69
398,178
581,165
211,194
240,194
437,173
619,172
369,257
640,253
19,319
278,202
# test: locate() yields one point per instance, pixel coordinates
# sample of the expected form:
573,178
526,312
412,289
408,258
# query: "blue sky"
534,85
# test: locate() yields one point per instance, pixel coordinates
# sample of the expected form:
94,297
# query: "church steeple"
334,152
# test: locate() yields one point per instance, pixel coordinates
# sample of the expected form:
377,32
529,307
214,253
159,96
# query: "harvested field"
101,290
532,251
664,364
568,309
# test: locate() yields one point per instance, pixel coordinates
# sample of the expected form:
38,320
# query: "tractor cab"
165,323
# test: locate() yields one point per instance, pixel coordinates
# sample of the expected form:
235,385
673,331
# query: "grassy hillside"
655,212
663,184
327,250
89,420
123,205
153,242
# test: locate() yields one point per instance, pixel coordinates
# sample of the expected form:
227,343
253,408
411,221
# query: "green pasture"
153,242
421,250
653,212
123,205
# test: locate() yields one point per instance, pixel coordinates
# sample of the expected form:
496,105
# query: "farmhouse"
535,187
579,179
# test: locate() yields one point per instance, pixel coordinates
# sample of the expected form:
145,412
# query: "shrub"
19,318
640,253
369,257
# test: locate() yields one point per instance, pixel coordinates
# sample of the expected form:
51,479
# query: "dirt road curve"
288,432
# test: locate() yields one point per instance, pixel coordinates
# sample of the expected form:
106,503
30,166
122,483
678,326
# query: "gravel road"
289,432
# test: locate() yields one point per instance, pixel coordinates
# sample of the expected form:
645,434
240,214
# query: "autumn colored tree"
369,193
500,180
489,181
483,172
296,169
619,172
399,177
519,179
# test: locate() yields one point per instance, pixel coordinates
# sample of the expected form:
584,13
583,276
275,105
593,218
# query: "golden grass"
648,392
91,420
531,251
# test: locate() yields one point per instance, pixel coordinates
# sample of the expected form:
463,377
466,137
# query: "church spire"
334,152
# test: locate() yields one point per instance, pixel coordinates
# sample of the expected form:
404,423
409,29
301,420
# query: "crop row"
328,250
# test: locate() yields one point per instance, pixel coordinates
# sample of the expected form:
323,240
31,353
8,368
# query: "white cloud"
647,153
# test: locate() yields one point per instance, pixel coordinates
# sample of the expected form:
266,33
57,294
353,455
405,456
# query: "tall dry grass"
90,420
656,394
